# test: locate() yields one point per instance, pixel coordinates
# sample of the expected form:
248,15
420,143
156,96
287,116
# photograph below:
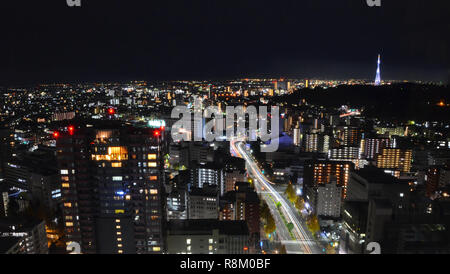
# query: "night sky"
120,40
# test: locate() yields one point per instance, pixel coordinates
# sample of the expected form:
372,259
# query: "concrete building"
207,237
23,236
203,203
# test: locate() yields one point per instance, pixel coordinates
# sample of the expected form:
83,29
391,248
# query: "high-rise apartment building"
111,187
370,147
325,172
317,143
395,158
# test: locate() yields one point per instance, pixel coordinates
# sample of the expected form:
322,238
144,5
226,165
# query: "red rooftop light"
71,129
111,111
156,133
55,134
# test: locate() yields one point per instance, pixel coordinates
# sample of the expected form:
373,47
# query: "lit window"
120,251
69,224
117,226
152,164
119,233
67,204
210,241
152,156
153,191
117,220
156,248
120,211
64,171
119,239
188,241
117,178
153,178
65,185
119,245
117,164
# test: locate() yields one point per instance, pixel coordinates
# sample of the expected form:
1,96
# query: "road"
300,240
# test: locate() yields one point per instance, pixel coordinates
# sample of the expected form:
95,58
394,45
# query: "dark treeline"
401,102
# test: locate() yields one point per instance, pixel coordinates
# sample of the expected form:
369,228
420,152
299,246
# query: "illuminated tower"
378,77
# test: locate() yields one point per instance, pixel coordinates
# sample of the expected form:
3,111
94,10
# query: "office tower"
203,203
378,75
395,158
207,237
328,200
325,172
23,236
200,153
36,173
111,187
371,182
354,226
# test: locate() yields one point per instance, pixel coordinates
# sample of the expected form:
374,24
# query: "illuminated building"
208,174
350,136
233,176
203,203
395,158
325,172
344,153
297,137
24,236
328,200
390,131
432,180
111,187
242,204
207,237
373,146
317,143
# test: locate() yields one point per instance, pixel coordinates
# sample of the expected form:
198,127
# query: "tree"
290,193
330,250
290,226
265,211
300,204
270,226
278,204
313,224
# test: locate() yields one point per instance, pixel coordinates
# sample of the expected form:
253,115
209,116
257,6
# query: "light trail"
301,236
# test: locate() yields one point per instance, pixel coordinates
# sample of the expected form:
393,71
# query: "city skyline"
230,128
111,41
